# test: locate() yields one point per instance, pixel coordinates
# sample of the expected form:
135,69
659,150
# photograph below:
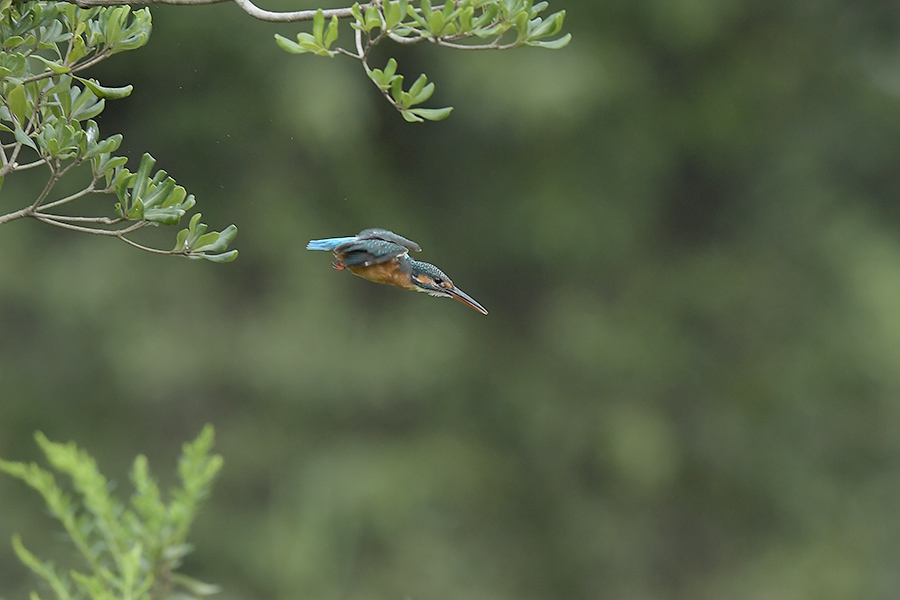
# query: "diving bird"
382,256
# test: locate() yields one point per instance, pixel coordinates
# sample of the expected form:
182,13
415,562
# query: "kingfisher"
382,256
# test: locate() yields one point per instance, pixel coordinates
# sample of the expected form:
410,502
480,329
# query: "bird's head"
431,280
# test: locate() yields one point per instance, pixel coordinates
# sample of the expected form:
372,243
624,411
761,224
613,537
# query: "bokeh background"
686,228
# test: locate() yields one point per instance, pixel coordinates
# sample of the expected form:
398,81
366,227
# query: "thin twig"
30,165
54,177
70,219
90,188
122,237
346,52
91,230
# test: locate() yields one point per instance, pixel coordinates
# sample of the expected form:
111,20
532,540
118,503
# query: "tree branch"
89,189
70,219
247,6
298,15
19,214
93,230
92,3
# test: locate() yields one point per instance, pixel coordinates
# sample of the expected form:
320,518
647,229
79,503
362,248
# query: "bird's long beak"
467,299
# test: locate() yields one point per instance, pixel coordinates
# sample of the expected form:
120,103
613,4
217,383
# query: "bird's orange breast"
387,272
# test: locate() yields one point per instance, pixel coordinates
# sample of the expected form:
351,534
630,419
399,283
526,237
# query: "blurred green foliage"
129,552
687,387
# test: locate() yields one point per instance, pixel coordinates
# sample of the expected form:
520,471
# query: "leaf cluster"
459,24
129,551
47,116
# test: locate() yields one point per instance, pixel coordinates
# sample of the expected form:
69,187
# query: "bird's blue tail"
328,244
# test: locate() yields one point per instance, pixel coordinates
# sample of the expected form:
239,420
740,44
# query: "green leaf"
319,26
177,198
105,165
110,144
332,33
14,66
305,43
173,207
18,103
220,258
410,116
78,51
521,22
207,239
465,19
384,79
195,225
85,104
168,215
373,19
436,23
136,212
181,241
158,193
493,30
116,19
390,69
194,586
124,179
394,13
24,139
553,44
417,89
13,42
221,241
289,45
551,26
432,114
450,10
143,176
113,93
137,33
419,19
54,66
357,14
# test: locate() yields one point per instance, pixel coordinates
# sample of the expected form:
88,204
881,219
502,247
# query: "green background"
684,226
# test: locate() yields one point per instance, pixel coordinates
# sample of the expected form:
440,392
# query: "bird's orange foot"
338,265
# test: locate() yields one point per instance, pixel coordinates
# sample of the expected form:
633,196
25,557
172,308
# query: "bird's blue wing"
388,236
365,252
328,244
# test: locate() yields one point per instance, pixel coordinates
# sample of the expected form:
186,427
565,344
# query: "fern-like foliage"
128,551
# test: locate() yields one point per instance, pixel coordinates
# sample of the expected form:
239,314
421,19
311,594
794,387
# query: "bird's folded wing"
364,252
388,236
